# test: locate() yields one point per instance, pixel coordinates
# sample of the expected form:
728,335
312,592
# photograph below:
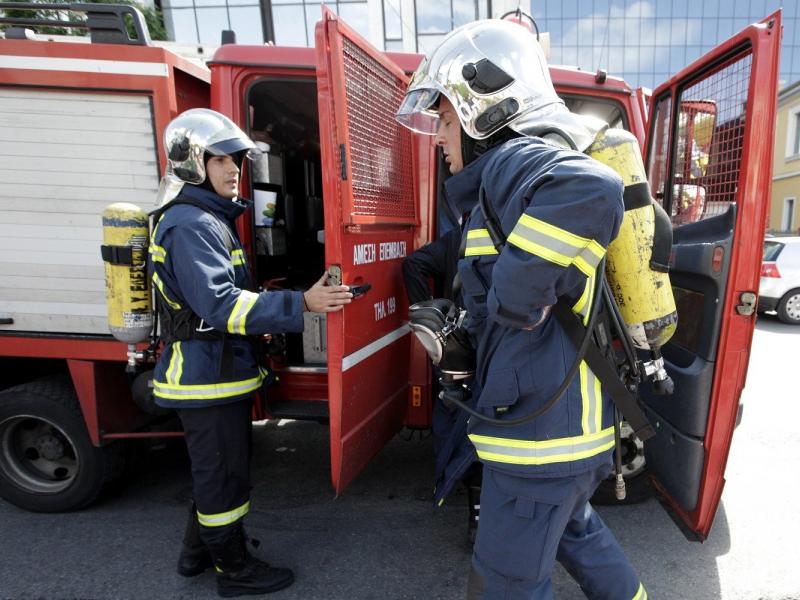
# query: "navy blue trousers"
529,523
218,439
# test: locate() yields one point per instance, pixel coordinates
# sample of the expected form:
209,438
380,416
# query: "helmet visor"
418,113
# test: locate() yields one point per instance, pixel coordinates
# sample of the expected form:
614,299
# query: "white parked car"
780,278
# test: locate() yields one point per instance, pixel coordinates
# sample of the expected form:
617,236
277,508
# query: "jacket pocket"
500,390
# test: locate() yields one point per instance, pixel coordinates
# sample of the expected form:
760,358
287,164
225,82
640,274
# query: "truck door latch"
748,305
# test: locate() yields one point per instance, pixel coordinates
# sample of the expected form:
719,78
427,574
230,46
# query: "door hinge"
748,305
343,161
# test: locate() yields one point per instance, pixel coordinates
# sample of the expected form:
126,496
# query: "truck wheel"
789,307
47,461
634,470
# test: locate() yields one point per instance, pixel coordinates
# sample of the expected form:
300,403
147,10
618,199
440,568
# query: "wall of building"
786,164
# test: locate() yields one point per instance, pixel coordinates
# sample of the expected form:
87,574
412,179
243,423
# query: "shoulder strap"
226,232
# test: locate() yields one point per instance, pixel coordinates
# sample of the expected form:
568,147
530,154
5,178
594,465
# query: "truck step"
305,410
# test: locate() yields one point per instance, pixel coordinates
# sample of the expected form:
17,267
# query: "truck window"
288,217
609,111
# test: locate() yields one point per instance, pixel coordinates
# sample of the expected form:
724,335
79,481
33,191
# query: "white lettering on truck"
363,254
367,253
392,250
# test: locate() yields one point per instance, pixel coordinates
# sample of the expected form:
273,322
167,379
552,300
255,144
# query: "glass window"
184,28
796,140
246,22
659,146
788,214
210,22
464,11
433,16
392,20
356,15
772,250
290,25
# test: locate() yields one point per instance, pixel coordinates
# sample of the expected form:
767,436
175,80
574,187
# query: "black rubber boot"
241,574
195,556
474,499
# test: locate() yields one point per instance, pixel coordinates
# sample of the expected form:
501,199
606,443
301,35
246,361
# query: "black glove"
438,326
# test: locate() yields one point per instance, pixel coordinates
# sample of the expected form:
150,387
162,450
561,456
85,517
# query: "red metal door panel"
370,214
710,144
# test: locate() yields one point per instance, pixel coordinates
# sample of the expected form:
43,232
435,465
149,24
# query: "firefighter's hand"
321,297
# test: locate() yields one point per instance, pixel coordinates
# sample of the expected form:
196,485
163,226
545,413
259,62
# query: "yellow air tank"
638,258
124,250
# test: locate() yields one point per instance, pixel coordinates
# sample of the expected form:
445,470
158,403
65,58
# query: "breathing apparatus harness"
181,324
438,325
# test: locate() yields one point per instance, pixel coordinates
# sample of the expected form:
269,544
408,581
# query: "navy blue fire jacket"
560,209
193,267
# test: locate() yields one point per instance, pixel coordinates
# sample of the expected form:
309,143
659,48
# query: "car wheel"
634,470
789,307
47,461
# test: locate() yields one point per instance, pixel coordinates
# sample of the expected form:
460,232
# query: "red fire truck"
354,193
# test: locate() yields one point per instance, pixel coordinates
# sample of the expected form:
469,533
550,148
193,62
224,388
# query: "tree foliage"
152,16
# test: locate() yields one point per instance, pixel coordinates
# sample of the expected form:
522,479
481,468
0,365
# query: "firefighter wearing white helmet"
209,370
548,215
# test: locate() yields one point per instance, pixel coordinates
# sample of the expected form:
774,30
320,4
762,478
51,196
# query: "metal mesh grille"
710,137
380,149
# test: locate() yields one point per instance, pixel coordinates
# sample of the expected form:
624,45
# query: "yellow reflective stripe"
584,303
238,316
556,245
157,253
527,452
591,400
207,391
175,368
224,518
641,594
160,285
479,243
237,257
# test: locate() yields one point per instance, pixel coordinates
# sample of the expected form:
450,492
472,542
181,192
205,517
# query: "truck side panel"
60,168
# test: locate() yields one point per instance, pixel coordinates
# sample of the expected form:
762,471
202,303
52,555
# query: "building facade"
394,25
784,216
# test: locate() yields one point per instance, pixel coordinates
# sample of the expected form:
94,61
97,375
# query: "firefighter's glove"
438,325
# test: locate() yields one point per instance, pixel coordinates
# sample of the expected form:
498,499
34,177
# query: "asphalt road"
383,540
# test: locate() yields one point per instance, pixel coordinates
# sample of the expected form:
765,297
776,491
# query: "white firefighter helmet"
187,139
495,75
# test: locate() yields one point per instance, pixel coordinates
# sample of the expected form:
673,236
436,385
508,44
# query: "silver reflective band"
558,245
238,316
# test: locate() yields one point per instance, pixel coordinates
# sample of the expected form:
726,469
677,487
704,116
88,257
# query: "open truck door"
709,163
370,214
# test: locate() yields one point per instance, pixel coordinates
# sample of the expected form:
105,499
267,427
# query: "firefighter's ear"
179,151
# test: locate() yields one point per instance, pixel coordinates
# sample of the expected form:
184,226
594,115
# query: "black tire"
789,307
47,461
634,471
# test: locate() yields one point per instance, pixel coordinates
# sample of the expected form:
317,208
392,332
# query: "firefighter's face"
448,136
223,174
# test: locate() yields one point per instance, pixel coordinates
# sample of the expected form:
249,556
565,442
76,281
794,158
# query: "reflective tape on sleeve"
479,242
238,316
556,245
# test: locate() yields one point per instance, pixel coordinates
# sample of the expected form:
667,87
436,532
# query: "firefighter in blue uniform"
209,370
486,93
455,458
